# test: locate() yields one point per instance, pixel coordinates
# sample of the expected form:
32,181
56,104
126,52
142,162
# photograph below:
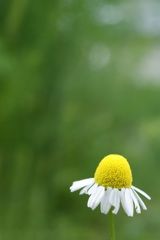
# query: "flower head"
112,186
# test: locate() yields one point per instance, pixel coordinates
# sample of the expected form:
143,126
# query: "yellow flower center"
113,171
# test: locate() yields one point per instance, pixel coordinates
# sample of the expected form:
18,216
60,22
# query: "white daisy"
112,187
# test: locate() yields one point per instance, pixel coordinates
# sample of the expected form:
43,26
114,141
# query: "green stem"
111,225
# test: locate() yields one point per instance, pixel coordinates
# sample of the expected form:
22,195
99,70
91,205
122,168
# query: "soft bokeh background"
78,80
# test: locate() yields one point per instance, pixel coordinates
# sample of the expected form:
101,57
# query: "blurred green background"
78,80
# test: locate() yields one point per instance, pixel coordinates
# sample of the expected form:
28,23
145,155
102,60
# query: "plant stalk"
111,225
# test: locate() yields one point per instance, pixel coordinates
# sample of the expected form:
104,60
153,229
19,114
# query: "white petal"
140,200
80,184
93,189
134,198
122,197
96,197
114,200
127,202
85,189
105,205
142,192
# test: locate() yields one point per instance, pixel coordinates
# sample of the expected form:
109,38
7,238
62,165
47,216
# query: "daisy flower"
112,187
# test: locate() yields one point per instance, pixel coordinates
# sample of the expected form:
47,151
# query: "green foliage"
77,82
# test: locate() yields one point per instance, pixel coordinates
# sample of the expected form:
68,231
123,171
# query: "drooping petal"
105,205
129,202
96,198
114,200
92,189
141,192
80,184
140,200
134,198
126,201
122,197
85,189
